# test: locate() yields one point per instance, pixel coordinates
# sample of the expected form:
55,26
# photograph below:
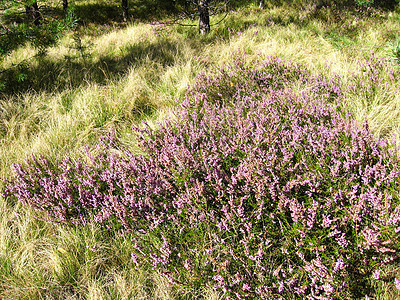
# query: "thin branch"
226,14
18,64
176,21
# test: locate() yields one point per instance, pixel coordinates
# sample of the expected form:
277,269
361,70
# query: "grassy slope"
122,76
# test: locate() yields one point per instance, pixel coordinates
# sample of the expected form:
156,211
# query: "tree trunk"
65,6
204,16
262,4
32,11
125,12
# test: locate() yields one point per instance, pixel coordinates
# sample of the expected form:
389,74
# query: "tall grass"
120,77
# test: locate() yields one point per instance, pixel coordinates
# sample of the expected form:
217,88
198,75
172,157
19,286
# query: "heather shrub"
243,78
262,188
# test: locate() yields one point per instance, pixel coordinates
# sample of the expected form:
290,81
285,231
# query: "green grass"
111,75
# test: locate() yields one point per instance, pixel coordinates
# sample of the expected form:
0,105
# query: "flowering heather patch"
255,79
260,190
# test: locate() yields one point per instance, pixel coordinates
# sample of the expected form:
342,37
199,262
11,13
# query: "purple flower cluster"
258,189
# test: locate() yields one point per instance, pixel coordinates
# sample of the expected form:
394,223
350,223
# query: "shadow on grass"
342,20
50,76
71,72
103,12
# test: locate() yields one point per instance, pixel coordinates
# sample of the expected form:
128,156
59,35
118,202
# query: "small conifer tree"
35,28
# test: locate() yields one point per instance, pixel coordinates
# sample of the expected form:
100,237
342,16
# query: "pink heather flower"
371,237
219,279
339,265
187,264
134,259
328,288
281,287
326,222
397,283
376,274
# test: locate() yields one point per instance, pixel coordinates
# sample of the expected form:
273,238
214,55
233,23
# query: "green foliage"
394,51
41,37
390,4
15,35
364,3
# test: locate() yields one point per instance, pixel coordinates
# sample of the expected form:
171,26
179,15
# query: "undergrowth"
256,189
